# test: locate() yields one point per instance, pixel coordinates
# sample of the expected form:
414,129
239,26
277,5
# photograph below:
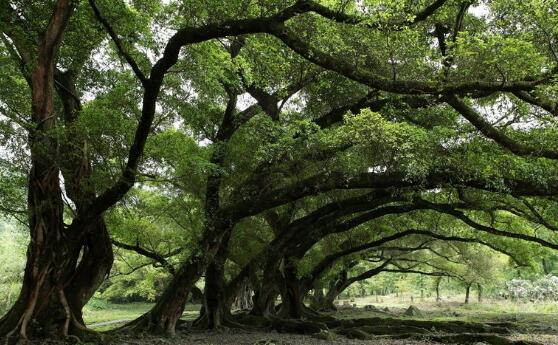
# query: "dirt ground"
261,338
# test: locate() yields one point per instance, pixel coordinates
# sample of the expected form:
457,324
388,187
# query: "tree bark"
479,292
243,296
266,294
96,248
329,299
438,282
215,307
292,305
164,315
467,292
51,247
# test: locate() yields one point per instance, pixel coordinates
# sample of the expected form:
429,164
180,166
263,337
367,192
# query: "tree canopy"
290,146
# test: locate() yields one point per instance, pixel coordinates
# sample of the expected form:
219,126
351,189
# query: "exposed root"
297,326
252,321
67,311
75,338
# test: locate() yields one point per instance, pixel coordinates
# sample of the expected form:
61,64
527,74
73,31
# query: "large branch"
341,17
498,136
442,208
365,275
330,259
153,85
425,273
374,80
161,259
539,101
244,206
118,43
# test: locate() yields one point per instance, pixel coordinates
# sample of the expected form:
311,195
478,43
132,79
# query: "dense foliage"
272,151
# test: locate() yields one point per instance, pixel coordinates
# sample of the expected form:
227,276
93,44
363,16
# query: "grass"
96,313
527,315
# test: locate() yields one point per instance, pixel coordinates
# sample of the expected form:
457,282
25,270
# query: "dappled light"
279,172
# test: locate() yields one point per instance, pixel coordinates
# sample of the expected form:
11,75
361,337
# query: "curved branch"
442,208
118,43
366,77
162,259
499,137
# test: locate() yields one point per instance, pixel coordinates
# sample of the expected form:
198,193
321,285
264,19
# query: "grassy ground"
532,315
106,316
537,321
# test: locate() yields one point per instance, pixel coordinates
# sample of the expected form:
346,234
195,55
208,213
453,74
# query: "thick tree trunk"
317,298
244,297
329,299
43,279
266,294
264,302
215,308
51,247
162,318
238,290
545,266
95,264
338,285
94,258
292,305
196,295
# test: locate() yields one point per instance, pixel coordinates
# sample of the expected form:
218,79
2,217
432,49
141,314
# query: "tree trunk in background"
338,285
545,266
243,300
329,299
479,293
467,292
266,294
196,295
438,282
317,298
263,302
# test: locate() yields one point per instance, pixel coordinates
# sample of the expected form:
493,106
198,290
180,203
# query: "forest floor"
534,321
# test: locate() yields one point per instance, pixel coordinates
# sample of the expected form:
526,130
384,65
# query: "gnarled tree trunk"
266,294
292,305
163,317
51,246
215,307
94,256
